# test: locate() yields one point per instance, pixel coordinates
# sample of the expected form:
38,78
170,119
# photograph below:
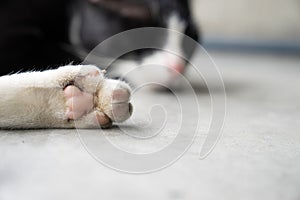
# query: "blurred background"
268,24
256,46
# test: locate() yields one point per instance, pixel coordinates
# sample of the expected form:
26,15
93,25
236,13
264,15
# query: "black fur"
34,34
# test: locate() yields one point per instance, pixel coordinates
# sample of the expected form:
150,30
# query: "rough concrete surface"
257,157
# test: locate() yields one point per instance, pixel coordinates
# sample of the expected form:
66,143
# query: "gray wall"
249,20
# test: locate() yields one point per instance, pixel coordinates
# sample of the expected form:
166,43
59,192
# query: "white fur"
36,99
154,69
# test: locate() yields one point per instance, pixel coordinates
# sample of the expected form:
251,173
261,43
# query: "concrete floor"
257,157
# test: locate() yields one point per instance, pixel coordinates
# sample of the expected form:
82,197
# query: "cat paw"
91,92
113,99
88,78
78,103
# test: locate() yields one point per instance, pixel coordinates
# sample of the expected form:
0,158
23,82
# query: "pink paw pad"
78,103
121,108
120,96
103,120
94,72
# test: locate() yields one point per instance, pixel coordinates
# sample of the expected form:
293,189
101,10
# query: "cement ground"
257,157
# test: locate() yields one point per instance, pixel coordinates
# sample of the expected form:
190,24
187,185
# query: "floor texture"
257,156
